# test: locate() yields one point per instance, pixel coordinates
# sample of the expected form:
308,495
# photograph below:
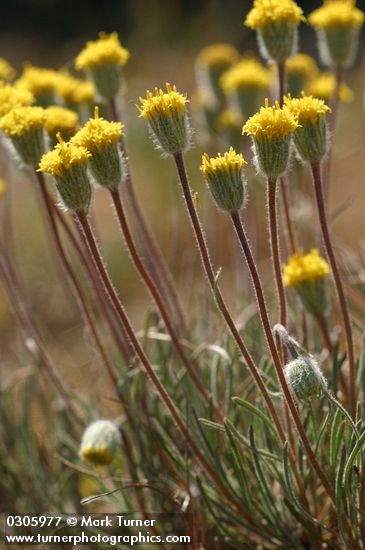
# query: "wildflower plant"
204,415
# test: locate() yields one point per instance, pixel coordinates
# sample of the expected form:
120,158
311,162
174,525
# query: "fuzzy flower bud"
338,24
101,138
42,83
11,97
271,129
245,84
67,163
300,69
306,273
100,443
167,117
305,378
104,59
225,179
211,63
24,127
310,137
276,23
61,120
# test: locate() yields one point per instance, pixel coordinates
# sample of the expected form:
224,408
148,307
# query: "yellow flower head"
336,13
303,65
61,120
74,90
248,73
229,118
166,104
306,109
217,54
304,268
273,12
271,122
230,160
324,86
100,443
63,158
21,120
11,97
107,50
6,70
98,133
37,80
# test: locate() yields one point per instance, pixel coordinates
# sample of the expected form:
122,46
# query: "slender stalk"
275,248
151,251
30,329
139,265
316,172
274,353
288,222
209,271
362,507
281,68
73,280
107,285
120,339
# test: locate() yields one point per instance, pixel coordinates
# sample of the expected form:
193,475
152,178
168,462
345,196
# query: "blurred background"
164,39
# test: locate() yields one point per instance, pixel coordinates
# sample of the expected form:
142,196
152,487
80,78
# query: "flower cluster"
273,12
107,50
24,126
248,73
11,97
303,268
74,91
336,13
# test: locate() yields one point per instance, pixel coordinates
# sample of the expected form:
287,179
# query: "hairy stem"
274,352
90,322
316,172
123,222
88,235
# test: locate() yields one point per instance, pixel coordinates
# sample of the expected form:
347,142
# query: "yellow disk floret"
21,120
107,50
303,268
303,65
37,80
6,70
62,158
273,12
271,122
337,13
306,109
11,97
99,456
248,73
217,54
98,133
167,103
74,90
61,120
225,163
324,85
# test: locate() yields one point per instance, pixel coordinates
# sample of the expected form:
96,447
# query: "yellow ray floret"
337,13
97,133
107,50
323,86
74,90
21,120
6,70
37,80
217,54
225,163
304,268
271,122
162,103
60,119
62,158
306,109
303,65
11,97
273,12
248,73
